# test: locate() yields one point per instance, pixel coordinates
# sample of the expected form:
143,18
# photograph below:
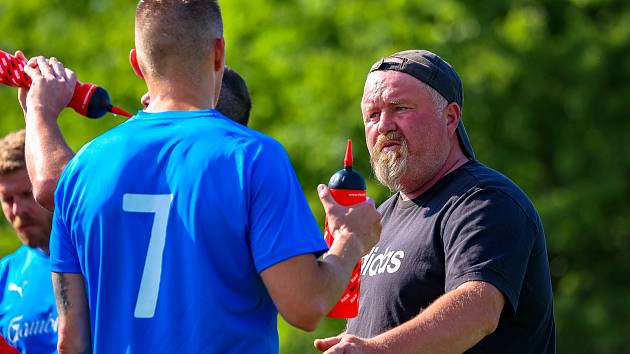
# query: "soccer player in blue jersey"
28,316
181,231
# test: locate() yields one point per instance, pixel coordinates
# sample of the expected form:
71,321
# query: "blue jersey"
170,217
28,316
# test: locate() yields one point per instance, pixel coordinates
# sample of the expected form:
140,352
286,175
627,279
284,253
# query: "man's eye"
402,108
374,115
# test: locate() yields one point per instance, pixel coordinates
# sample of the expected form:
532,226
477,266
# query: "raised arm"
305,289
72,308
47,152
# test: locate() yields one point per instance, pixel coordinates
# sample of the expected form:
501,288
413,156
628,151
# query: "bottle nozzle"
118,111
347,161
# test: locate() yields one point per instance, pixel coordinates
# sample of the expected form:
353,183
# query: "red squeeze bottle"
89,100
348,188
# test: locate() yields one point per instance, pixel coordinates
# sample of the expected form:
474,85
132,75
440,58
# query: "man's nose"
20,207
386,122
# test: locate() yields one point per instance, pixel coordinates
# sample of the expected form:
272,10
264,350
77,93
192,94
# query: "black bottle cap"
347,179
99,103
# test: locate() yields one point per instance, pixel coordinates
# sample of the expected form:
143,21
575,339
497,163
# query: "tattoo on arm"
61,294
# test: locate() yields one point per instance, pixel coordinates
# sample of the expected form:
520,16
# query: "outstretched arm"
303,288
74,318
452,324
47,152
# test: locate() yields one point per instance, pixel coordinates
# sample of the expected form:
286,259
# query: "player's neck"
173,104
175,97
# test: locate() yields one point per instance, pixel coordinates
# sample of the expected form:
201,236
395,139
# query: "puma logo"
16,288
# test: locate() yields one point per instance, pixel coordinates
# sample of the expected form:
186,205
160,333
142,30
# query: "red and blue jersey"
28,315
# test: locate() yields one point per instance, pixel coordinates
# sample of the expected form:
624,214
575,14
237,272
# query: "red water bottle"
89,99
348,188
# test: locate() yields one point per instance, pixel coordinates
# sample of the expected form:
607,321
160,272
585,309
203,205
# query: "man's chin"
388,178
27,231
31,236
392,184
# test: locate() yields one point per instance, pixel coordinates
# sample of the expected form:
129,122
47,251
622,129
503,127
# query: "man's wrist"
348,247
41,112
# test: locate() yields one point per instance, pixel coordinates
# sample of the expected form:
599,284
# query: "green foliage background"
547,101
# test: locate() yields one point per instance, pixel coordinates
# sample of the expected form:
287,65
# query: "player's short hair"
175,36
234,100
12,152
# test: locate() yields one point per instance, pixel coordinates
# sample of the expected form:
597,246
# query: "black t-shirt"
474,224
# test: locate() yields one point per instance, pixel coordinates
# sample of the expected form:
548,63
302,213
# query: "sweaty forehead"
389,87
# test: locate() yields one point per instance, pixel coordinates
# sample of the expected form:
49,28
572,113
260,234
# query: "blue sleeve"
63,254
281,223
489,238
4,274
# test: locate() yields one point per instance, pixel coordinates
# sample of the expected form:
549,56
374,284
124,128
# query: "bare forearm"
336,268
47,154
72,309
452,324
304,290
69,344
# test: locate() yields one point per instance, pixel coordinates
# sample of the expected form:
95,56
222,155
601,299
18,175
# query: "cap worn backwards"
435,72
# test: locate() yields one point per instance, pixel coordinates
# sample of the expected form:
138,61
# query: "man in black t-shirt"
462,263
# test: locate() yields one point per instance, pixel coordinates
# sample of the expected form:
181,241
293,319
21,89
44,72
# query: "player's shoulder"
484,184
19,253
262,142
232,138
13,258
254,143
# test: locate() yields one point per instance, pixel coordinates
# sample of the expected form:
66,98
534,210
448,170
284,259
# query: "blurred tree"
546,103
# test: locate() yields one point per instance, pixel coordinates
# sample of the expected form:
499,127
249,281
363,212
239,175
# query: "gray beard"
390,166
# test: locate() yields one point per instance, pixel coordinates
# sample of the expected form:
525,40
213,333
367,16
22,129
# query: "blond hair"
12,152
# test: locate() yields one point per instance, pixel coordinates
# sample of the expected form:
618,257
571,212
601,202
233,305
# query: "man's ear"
452,114
133,60
219,53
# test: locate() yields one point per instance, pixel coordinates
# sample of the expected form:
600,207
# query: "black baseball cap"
435,72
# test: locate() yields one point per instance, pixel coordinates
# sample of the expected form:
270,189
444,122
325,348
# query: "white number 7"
160,205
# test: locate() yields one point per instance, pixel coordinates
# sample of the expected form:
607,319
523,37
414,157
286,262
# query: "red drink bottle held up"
348,188
89,100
